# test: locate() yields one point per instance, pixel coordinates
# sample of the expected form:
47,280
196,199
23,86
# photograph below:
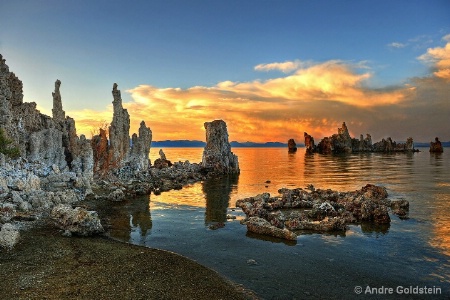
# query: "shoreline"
46,265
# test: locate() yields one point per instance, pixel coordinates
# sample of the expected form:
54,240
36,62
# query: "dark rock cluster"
343,143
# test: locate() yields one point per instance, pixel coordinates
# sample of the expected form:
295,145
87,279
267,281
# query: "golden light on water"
441,224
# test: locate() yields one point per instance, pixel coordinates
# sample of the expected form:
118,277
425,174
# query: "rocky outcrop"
318,210
119,131
436,146
40,138
343,143
292,146
77,220
217,155
309,143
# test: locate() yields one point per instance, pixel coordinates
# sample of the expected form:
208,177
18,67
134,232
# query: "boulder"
9,236
262,226
77,220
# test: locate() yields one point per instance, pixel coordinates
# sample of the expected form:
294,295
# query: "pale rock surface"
77,220
119,130
9,236
217,154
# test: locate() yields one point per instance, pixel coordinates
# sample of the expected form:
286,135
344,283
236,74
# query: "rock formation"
40,138
59,114
162,162
141,148
118,154
343,143
436,146
217,155
119,131
320,210
292,146
309,143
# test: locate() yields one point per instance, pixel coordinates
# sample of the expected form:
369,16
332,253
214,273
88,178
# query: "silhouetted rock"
343,143
217,155
436,146
292,146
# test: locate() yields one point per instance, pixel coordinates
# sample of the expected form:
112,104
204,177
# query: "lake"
406,256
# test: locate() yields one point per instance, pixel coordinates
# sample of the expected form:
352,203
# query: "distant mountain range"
201,144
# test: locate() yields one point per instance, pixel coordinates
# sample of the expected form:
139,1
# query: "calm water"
413,252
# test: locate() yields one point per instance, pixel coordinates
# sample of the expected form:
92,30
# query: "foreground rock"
9,236
343,143
77,220
436,146
217,155
318,210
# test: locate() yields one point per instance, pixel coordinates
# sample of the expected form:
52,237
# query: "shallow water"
413,252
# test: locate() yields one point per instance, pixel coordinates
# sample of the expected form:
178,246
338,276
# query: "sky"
271,70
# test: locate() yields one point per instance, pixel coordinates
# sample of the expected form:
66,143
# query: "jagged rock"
292,146
77,220
162,162
9,236
119,131
343,143
217,154
100,152
327,210
58,113
141,148
436,146
309,143
162,155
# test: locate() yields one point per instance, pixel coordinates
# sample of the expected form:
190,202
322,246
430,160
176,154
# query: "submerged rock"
77,220
217,155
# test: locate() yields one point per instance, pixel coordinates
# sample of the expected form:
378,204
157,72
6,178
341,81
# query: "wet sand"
46,265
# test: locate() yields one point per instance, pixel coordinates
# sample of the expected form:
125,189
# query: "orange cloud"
439,58
316,98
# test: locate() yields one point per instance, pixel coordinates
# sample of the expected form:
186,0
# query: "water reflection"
131,220
217,193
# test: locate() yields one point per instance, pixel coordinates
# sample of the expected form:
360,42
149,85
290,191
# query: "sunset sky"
270,69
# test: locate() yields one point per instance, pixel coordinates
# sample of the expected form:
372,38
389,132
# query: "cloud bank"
314,97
